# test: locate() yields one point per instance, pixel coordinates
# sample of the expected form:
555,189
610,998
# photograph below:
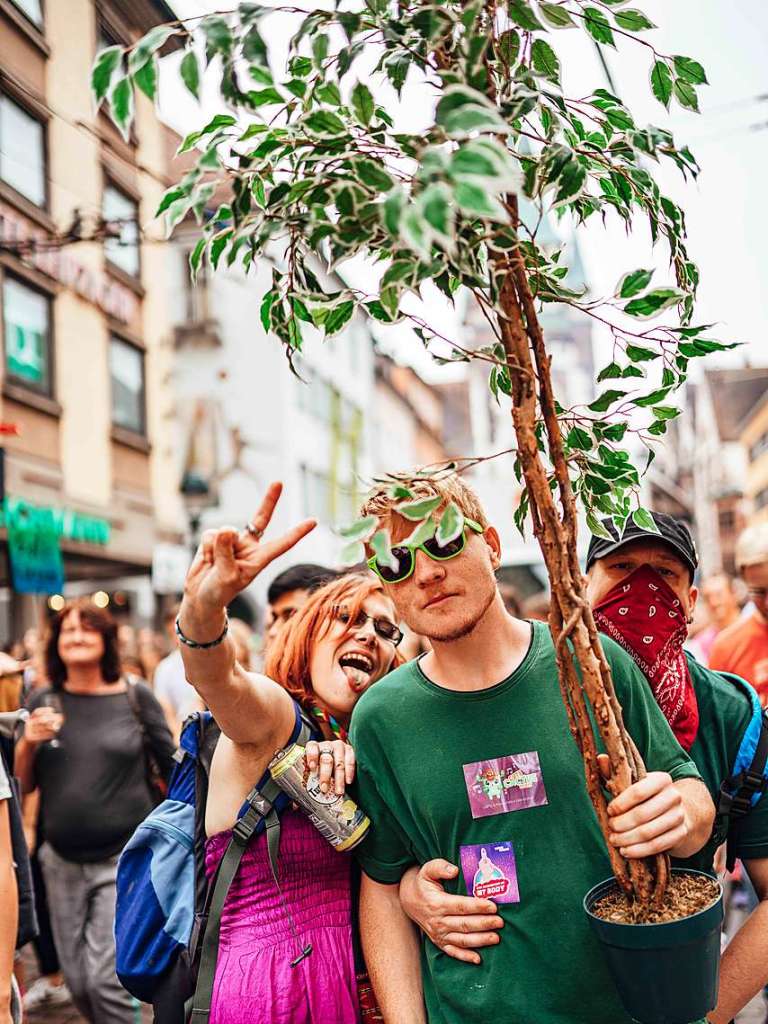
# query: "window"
122,251
22,151
32,9
126,370
27,334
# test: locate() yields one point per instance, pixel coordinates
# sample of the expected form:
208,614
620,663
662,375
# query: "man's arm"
9,912
391,947
744,967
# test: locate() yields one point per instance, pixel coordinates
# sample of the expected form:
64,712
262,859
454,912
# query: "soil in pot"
686,895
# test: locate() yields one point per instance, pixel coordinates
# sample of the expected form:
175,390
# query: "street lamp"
197,496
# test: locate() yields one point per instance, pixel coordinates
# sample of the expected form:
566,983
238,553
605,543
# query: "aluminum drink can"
337,818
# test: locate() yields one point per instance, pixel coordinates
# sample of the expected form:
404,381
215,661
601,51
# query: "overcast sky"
726,210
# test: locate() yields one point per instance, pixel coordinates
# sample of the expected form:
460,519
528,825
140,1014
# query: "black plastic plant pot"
665,973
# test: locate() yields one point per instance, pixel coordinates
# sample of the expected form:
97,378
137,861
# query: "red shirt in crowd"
742,648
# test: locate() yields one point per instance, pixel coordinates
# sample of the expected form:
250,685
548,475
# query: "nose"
427,570
365,633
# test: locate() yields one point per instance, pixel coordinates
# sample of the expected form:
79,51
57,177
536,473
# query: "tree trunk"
570,619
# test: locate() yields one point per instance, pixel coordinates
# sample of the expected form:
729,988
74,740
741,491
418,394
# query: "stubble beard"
465,628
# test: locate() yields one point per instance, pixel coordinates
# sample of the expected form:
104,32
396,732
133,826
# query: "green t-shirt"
424,752
724,714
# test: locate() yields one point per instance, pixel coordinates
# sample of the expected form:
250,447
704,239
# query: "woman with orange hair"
340,643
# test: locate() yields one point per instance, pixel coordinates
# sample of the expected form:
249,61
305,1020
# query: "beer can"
337,818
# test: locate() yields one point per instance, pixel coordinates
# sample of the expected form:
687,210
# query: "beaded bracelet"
202,647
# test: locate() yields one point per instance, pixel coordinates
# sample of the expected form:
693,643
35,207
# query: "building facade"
754,441
85,332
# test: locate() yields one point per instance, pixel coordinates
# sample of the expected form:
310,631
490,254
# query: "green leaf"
265,312
474,118
190,73
556,15
612,431
104,66
195,257
580,438
653,302
633,20
486,159
611,371
643,520
570,182
450,526
661,82
509,47
690,70
338,317
422,508
148,45
121,105
424,531
522,15
598,26
146,78
300,66
633,282
352,554
265,97
394,205
362,104
544,60
477,201
381,548
218,245
361,529
324,123
255,49
435,205
639,354
608,398
596,527
373,174
218,37
685,94
414,231
651,399
169,196
666,412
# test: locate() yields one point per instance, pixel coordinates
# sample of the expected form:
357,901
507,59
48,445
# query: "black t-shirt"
93,785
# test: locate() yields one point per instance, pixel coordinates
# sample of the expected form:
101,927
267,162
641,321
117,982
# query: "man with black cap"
641,589
642,593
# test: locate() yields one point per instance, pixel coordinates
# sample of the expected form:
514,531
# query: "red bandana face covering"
643,615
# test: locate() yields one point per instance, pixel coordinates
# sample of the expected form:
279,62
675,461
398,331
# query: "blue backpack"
168,918
748,779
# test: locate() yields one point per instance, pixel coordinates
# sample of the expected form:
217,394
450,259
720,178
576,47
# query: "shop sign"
65,523
114,299
33,546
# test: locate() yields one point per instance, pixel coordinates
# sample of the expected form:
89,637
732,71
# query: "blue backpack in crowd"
168,918
748,779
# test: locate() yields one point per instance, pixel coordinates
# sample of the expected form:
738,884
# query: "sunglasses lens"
448,550
387,630
403,558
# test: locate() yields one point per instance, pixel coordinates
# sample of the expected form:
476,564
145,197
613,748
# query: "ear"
491,538
693,596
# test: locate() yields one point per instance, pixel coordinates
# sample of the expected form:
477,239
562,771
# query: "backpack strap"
261,807
156,782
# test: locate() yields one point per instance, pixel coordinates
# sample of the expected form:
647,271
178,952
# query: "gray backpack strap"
261,807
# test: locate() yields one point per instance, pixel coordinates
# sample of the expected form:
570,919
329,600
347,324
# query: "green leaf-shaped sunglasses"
405,554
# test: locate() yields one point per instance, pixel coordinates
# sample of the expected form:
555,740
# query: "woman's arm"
250,708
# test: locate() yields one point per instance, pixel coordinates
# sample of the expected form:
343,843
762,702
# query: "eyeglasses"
382,627
405,554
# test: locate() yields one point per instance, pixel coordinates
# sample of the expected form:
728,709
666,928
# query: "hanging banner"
33,546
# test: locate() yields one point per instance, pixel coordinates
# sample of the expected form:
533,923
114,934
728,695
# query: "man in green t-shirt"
466,755
641,588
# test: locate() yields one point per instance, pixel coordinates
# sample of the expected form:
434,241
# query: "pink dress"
255,983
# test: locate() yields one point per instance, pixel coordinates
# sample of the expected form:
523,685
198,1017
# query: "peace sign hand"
228,560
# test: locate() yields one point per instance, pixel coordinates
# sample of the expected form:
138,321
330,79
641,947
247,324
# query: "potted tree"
315,167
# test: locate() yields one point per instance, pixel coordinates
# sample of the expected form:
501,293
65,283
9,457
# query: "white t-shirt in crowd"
171,685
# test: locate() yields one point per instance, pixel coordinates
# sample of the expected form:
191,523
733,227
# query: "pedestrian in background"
88,747
722,607
288,592
177,697
9,908
742,648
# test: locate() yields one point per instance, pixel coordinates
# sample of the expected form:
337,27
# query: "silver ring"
326,750
255,531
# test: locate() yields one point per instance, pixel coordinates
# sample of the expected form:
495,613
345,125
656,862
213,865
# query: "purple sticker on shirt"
490,872
505,784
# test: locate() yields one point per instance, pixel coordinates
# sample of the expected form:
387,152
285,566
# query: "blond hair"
447,486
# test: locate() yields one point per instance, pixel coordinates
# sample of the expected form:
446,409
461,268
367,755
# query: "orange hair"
290,656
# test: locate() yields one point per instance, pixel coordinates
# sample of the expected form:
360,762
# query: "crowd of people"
428,691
